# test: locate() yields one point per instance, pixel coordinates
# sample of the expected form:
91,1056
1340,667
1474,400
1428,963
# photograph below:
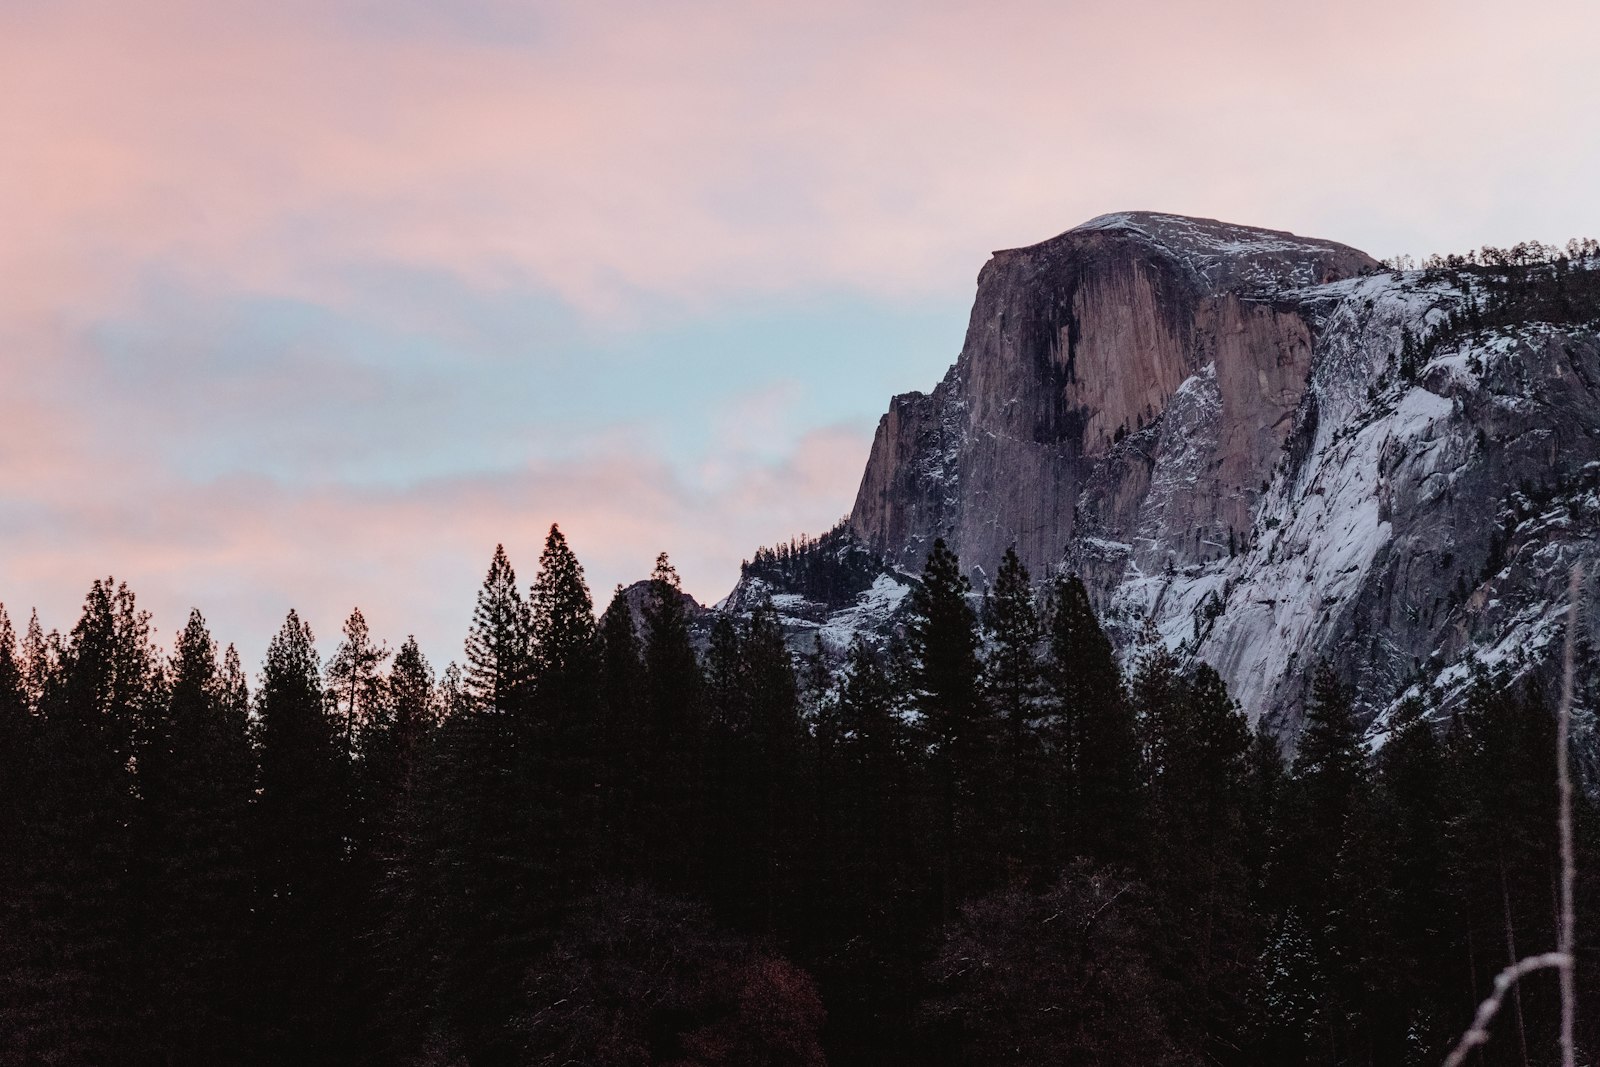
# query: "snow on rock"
1212,425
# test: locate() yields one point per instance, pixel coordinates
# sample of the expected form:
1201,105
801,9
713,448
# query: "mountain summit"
1263,450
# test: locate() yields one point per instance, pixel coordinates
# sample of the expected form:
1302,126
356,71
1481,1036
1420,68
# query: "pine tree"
869,765
563,634
303,919
493,863
1263,836
19,761
41,656
393,745
674,803
566,798
942,647
1012,684
1330,771
1098,752
499,666
777,798
355,679
1291,991
1412,949
16,740
1327,870
1197,860
622,736
69,946
196,780
395,754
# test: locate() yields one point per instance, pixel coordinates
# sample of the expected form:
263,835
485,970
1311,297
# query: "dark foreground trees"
644,839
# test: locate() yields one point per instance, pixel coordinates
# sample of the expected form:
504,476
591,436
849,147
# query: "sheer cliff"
1239,439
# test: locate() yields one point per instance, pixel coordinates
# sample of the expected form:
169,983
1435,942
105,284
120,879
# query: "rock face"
1076,347
1206,422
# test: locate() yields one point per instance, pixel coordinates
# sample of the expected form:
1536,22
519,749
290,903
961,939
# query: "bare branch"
1478,1032
1561,959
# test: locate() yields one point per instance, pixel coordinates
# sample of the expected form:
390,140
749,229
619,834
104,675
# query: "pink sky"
648,169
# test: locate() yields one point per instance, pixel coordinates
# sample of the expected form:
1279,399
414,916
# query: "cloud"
315,302
246,550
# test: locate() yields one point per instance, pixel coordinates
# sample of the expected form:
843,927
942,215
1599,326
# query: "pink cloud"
690,153
245,551
698,148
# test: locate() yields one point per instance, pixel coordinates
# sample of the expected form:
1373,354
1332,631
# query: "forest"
605,840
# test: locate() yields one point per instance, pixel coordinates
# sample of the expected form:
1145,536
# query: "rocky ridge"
1227,433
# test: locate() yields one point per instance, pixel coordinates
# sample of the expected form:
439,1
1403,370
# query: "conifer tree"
563,632
393,745
1412,949
776,795
565,747
196,780
18,763
303,809
1329,777
69,947
492,825
868,764
1197,827
498,669
355,679
1098,764
16,739
942,648
234,690
622,734
675,734
395,754
41,656
1330,850
1012,683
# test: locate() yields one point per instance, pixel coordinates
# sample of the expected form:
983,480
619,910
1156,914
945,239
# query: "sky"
309,304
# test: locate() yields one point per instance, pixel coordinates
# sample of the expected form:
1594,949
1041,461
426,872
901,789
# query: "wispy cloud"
314,302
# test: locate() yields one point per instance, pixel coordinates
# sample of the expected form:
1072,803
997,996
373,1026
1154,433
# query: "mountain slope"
1267,447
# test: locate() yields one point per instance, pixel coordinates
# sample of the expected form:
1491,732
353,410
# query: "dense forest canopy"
987,844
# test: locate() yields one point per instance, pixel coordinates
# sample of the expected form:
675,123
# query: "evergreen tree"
41,656
490,865
1265,774
566,798
1412,948
1097,766
395,742
1291,993
563,635
622,736
19,761
942,648
776,775
1012,683
1198,826
674,802
1329,777
1327,871
355,679
878,911
499,666
304,941
69,945
16,741
196,780
395,751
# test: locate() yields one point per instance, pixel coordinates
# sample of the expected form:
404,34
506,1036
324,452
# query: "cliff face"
1075,347
1206,421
